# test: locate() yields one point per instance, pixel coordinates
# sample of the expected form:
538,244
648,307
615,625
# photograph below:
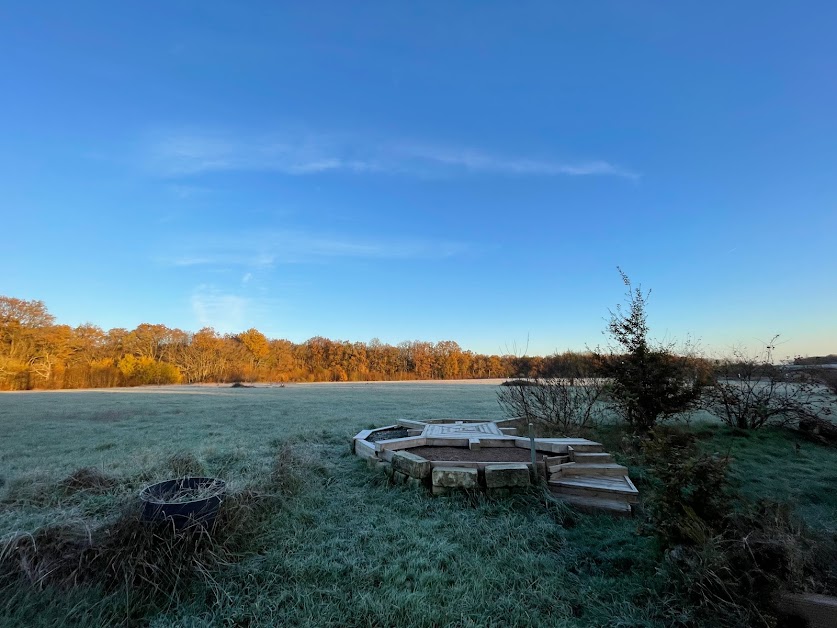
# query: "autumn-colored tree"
258,348
146,370
35,352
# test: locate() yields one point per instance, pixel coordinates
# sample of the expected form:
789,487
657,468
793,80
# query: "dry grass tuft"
287,471
88,479
52,555
185,464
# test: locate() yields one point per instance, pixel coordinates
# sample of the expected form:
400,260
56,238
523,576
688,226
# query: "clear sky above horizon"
472,171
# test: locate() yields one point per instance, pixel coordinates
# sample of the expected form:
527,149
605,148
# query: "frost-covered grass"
342,548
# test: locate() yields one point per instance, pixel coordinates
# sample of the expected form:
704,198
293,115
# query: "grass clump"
89,479
153,563
287,471
184,463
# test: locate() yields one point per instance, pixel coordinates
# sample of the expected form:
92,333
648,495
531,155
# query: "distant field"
348,550
118,429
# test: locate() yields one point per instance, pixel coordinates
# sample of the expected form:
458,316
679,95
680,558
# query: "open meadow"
333,544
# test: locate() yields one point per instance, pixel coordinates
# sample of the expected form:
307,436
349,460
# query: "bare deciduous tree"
749,391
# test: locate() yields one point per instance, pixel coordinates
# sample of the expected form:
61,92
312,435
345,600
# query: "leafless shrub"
749,392
825,376
568,406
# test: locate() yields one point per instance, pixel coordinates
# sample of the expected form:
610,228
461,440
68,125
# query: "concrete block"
455,477
511,475
474,444
411,464
399,478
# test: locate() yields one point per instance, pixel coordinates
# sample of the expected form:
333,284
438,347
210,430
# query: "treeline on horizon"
35,352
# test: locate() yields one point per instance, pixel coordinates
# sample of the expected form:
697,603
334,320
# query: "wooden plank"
597,505
365,449
446,442
598,483
581,456
594,468
383,429
592,492
559,468
419,425
470,464
570,442
593,448
596,487
553,460
540,444
496,441
601,482
400,443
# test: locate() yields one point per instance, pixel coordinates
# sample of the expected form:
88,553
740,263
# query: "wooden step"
596,505
580,456
592,448
594,468
597,486
552,462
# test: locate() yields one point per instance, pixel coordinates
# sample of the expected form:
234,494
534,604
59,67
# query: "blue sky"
472,171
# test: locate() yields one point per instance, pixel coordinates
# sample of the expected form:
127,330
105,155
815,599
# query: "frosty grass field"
345,549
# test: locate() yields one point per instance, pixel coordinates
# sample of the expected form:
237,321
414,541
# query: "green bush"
647,381
691,500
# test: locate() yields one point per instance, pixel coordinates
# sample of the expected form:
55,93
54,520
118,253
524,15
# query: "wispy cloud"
476,161
227,313
191,153
182,154
267,249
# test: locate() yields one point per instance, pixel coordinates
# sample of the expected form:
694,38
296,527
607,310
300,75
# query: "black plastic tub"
169,501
